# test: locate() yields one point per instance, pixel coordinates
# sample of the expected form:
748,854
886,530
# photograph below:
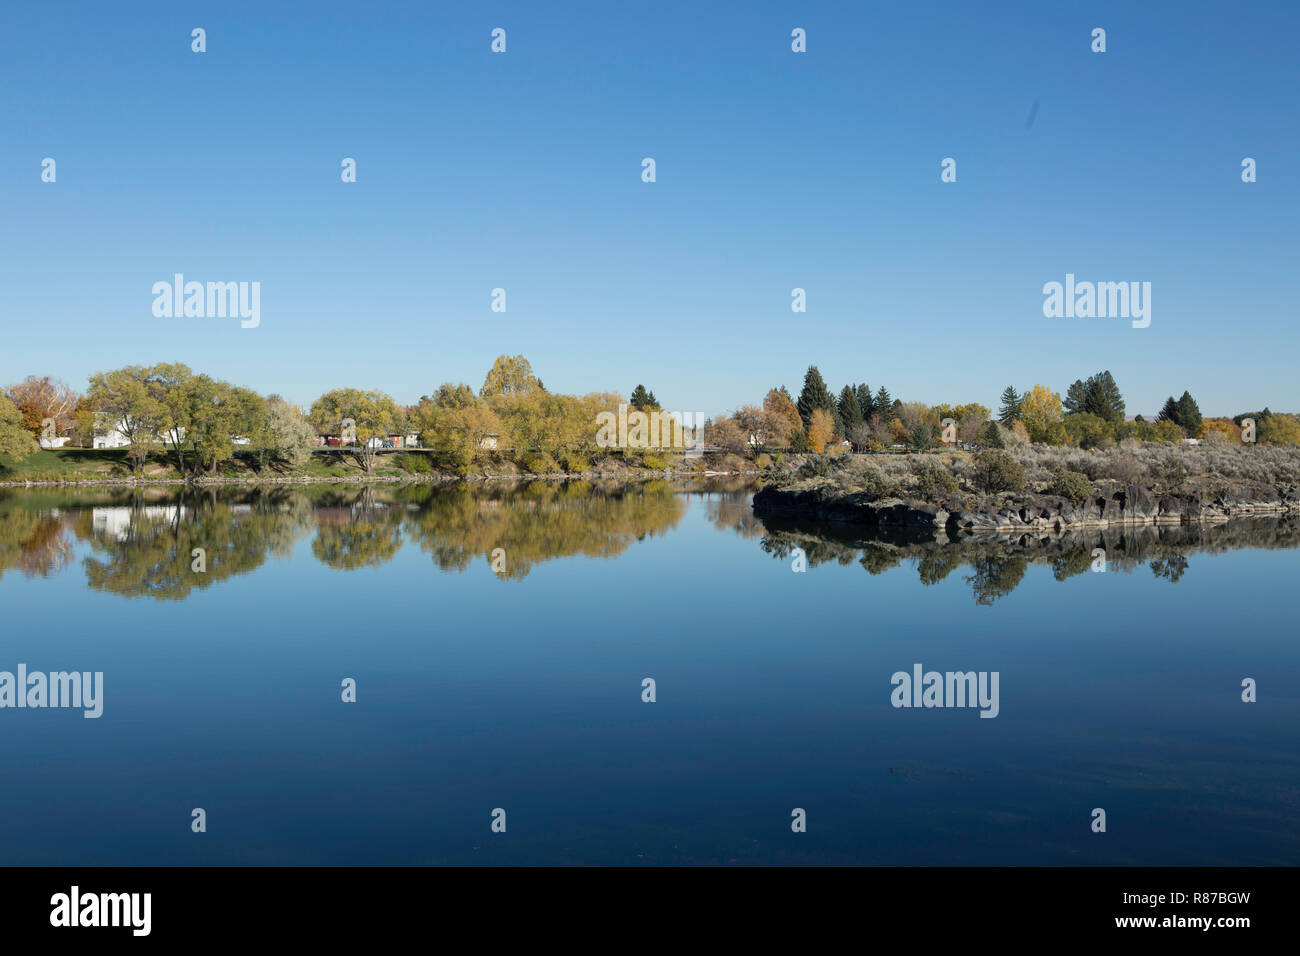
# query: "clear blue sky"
775,170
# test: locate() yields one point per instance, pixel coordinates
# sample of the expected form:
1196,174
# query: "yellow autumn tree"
779,403
821,429
1040,410
1223,427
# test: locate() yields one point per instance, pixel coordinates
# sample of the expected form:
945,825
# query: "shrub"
823,466
872,482
1170,475
1123,467
933,481
539,463
1071,485
995,470
414,464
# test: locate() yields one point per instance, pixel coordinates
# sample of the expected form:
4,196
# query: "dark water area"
520,687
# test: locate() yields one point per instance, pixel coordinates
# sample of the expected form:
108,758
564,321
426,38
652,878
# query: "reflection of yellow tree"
731,511
154,557
16,528
366,541
540,521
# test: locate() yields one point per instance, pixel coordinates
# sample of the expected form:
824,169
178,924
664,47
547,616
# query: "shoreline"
367,479
1128,506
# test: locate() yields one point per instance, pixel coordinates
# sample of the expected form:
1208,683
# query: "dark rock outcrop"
1028,512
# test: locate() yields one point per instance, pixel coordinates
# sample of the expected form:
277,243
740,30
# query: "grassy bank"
80,466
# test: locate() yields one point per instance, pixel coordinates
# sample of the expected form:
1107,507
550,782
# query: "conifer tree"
1010,409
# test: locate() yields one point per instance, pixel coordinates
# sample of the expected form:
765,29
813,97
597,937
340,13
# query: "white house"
115,522
110,438
55,442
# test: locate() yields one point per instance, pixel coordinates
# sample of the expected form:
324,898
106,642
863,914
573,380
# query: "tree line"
199,422
1090,415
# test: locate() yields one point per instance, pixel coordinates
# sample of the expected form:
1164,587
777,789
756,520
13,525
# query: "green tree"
1098,395
643,399
1104,399
850,411
368,417
991,436
1169,411
1010,409
1087,430
126,403
995,471
865,401
1188,414
1076,398
883,404
815,395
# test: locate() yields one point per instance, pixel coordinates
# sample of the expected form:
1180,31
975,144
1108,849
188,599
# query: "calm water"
522,690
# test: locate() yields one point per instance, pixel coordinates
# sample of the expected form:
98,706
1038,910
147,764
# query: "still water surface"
523,689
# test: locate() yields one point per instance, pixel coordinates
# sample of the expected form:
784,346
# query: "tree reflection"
999,563
538,521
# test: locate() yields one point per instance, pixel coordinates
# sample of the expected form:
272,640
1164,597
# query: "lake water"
522,689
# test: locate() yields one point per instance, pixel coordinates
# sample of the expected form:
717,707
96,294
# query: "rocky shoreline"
1119,506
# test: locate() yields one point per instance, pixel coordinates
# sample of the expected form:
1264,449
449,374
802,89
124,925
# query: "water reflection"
997,563
144,543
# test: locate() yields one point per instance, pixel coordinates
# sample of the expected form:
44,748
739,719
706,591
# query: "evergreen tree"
849,409
1099,396
1010,409
1076,398
884,405
642,398
1169,411
1188,414
991,436
815,395
865,401
1104,398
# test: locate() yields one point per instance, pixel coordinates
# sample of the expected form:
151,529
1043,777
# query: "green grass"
66,464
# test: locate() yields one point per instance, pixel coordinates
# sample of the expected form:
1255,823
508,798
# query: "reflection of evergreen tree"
996,576
937,564
1169,566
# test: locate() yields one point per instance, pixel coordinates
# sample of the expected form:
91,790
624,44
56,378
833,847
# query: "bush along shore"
1035,488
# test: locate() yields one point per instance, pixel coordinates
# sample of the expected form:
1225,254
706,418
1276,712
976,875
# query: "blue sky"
775,170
